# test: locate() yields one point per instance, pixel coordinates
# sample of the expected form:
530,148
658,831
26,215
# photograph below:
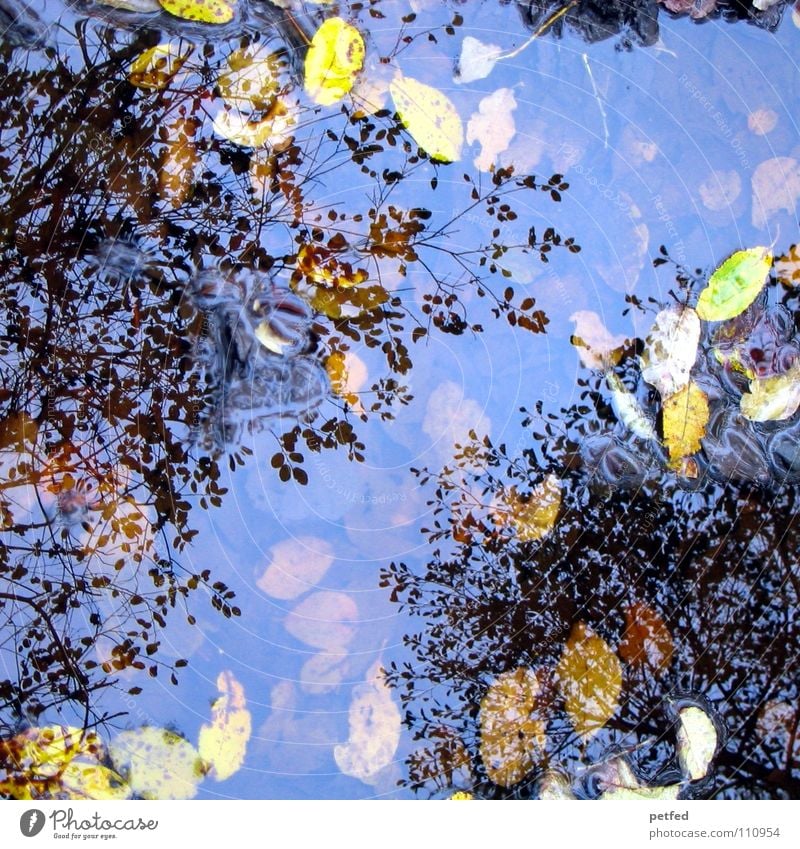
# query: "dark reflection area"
703,563
169,297
635,22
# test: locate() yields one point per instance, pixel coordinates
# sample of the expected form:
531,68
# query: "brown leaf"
647,642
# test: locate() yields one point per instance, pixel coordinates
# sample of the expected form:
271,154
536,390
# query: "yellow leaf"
45,752
512,737
334,58
223,743
205,11
461,796
430,117
154,68
697,742
685,416
590,679
252,78
158,764
735,284
81,780
772,399
374,729
535,517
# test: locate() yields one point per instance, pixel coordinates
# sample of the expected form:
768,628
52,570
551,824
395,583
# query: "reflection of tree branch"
79,677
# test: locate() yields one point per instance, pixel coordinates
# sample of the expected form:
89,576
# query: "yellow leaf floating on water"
534,518
697,742
735,284
618,783
252,77
374,729
155,68
772,399
685,416
58,761
430,117
512,738
81,780
334,58
590,679
204,11
223,743
157,764
461,796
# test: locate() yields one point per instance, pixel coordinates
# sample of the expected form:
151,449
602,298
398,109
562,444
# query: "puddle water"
365,435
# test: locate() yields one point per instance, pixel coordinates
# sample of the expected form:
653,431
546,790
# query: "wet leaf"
512,738
492,126
735,284
222,744
477,60
535,517
430,117
590,679
158,764
555,785
461,796
296,566
776,188
618,783
325,620
334,58
685,416
772,399
671,349
628,409
154,68
251,78
45,752
597,348
647,642
141,6
82,780
276,129
696,742
204,11
374,721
